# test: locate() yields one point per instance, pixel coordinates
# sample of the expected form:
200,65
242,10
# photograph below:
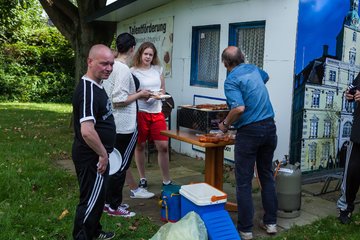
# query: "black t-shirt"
355,131
91,103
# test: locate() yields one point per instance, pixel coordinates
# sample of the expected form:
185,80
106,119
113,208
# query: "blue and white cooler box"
209,203
201,198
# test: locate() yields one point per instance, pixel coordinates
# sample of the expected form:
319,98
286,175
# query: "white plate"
163,96
115,161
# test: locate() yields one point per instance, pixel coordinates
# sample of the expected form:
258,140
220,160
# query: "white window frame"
198,35
314,125
315,102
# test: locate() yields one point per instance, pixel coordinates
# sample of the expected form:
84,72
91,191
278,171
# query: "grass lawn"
325,229
35,191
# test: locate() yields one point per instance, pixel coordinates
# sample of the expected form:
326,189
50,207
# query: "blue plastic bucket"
170,203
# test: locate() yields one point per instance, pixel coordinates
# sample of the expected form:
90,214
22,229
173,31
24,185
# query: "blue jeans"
255,143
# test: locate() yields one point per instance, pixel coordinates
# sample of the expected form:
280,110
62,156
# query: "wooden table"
214,158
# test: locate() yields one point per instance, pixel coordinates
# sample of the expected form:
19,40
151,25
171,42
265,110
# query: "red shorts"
150,125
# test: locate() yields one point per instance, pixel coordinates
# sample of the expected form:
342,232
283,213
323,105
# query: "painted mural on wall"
327,60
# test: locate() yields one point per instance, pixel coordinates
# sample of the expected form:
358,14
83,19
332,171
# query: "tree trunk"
70,20
87,35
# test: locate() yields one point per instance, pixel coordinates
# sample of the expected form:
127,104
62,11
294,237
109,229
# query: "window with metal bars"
250,38
205,56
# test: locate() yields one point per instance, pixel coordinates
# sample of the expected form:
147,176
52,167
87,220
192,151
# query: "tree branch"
68,8
65,20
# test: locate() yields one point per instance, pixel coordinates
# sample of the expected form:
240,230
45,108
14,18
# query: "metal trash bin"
288,190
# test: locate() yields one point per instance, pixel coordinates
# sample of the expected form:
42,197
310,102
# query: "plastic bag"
190,227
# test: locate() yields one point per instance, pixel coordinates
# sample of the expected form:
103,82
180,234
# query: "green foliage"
9,21
19,17
36,61
40,69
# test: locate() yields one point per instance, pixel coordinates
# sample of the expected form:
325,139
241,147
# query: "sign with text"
160,33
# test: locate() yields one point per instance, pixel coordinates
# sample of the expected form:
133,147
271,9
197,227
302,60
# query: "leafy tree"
36,61
18,19
71,20
39,69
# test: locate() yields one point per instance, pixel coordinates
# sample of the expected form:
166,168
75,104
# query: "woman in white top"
146,67
122,90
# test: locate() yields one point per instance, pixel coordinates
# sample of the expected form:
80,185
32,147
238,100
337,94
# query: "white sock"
167,182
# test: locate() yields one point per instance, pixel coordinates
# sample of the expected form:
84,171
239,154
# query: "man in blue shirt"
251,113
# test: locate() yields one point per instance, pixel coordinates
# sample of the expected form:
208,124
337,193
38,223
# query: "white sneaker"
141,193
269,228
246,235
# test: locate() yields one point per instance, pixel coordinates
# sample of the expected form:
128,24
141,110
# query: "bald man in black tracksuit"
351,179
94,139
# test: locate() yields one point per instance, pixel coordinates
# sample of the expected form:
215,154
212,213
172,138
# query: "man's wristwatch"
225,124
